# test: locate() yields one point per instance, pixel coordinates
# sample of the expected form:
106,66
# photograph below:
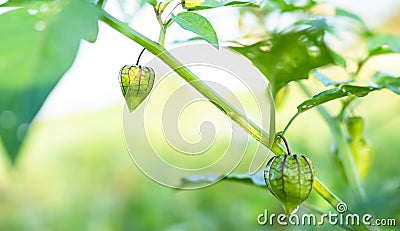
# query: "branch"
249,126
155,48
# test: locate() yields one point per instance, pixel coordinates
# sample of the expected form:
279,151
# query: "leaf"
318,24
197,24
209,4
383,44
388,81
151,2
321,24
337,59
43,6
21,3
256,179
334,93
38,45
288,56
344,13
326,81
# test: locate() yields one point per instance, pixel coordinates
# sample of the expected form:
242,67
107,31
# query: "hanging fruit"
362,151
136,83
189,4
289,178
355,126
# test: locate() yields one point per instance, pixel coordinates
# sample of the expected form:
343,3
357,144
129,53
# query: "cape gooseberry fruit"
189,4
290,179
362,153
136,83
355,126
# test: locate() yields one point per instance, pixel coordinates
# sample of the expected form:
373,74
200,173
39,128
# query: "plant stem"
161,37
170,13
286,143
344,149
325,193
101,3
140,55
333,200
290,122
249,126
155,48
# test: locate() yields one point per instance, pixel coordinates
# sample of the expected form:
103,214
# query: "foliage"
33,60
198,24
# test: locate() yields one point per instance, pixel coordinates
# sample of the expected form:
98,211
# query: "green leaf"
38,45
344,13
326,81
256,179
388,81
334,93
209,4
151,2
197,24
21,3
321,24
383,44
318,24
289,56
337,59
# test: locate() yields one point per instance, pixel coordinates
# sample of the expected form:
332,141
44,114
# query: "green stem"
333,200
161,37
250,127
290,122
325,193
101,3
344,149
345,106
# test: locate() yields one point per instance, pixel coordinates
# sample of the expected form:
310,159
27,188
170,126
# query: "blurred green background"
75,172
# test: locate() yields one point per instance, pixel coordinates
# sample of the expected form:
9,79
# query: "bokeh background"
75,172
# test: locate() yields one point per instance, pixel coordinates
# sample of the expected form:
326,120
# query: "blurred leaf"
43,5
351,15
129,8
334,93
383,44
289,56
281,97
322,25
256,179
209,4
337,59
326,81
197,24
317,24
388,81
151,2
38,46
287,5
12,3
